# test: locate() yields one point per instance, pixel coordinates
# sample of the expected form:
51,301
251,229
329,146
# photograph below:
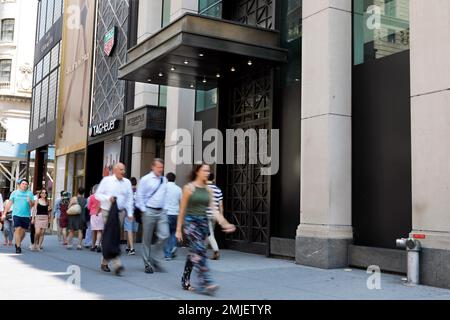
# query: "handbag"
138,212
74,210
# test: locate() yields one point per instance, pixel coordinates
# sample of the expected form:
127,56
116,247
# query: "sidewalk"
241,276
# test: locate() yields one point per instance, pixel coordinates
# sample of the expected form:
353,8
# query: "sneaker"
131,252
18,250
93,248
127,250
168,258
69,247
99,249
79,248
149,270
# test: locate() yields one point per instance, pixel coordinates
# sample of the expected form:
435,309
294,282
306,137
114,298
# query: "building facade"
16,69
46,81
352,93
343,82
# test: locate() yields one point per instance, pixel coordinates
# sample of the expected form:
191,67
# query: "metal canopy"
197,52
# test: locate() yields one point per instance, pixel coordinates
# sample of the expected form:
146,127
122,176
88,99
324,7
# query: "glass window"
206,100
211,8
42,19
381,28
5,71
37,97
54,57
44,102
2,133
166,13
39,71
291,34
58,10
162,96
49,20
8,29
46,65
52,95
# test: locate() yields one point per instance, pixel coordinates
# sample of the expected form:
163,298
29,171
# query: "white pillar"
430,129
326,218
149,22
180,107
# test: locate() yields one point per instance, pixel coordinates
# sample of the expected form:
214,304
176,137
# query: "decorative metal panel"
248,193
109,92
254,12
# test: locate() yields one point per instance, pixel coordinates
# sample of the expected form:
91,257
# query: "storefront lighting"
192,86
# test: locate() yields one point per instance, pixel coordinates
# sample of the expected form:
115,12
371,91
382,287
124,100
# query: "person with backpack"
76,211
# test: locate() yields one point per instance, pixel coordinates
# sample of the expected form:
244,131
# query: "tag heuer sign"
109,41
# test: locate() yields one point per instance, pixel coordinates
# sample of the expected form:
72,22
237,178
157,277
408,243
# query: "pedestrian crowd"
169,216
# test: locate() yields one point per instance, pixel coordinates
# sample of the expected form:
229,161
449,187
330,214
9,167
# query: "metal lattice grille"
109,92
248,201
254,12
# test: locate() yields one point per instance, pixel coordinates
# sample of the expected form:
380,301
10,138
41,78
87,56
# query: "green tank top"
198,202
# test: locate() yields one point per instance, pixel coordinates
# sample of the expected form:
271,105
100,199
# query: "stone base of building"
322,252
435,268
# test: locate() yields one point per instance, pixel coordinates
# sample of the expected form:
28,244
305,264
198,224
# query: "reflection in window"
291,39
162,96
166,13
211,8
206,100
381,28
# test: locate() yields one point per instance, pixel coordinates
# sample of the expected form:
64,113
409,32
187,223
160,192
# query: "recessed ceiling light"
249,62
233,69
160,74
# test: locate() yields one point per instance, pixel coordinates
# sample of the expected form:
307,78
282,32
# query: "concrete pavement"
44,275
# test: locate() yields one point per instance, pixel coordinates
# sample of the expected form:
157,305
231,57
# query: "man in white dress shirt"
150,199
115,188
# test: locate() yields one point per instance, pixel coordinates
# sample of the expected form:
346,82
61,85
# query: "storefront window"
166,13
211,8
381,28
162,96
206,100
291,39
